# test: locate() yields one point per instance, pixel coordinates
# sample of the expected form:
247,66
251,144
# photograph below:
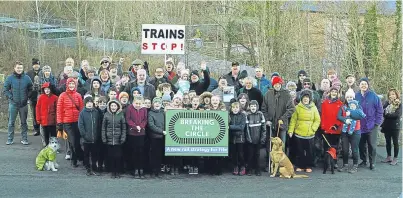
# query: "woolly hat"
137,62
88,99
336,82
291,84
275,74
166,97
306,80
157,100
276,79
135,89
364,79
46,68
333,88
178,96
185,71
35,61
123,94
105,59
243,74
302,72
306,93
194,72
350,92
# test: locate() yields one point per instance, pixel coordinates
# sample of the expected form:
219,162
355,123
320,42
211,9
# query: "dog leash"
278,130
326,140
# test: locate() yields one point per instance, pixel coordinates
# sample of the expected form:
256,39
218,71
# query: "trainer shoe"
353,169
24,142
195,170
363,164
37,133
9,142
68,157
344,168
190,170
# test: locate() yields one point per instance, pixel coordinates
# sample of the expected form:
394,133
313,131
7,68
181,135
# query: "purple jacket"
136,118
373,109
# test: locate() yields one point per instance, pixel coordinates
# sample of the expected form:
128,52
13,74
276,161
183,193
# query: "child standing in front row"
156,125
136,117
46,112
237,138
114,135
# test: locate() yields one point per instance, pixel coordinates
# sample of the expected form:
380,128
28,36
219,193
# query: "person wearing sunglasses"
301,76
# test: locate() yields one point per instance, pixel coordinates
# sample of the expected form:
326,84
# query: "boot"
176,171
136,174
141,174
243,171
250,172
236,170
363,164
372,166
88,172
172,170
258,173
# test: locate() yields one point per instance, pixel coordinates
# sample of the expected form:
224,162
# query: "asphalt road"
18,178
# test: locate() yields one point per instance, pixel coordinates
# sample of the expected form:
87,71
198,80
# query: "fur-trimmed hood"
204,95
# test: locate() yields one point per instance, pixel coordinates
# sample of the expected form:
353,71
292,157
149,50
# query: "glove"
60,127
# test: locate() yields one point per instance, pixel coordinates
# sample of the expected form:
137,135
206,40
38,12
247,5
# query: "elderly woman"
252,92
392,125
373,109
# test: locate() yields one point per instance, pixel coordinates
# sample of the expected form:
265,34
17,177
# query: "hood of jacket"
67,85
96,78
108,106
204,95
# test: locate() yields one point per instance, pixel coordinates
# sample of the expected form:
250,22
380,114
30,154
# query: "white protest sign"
163,39
229,93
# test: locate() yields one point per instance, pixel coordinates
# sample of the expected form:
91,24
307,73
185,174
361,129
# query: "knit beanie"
291,84
350,92
276,79
333,88
306,80
46,68
195,72
157,100
88,99
186,71
364,79
35,61
177,96
275,74
137,62
353,102
123,94
302,72
243,74
105,59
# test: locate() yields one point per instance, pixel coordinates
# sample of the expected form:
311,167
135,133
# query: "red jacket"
67,112
136,118
46,108
329,116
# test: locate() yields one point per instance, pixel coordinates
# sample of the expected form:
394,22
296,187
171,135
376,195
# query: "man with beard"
277,109
252,92
146,89
35,78
195,83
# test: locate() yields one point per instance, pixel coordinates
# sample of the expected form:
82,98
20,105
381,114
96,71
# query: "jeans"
368,140
352,140
48,131
389,136
13,111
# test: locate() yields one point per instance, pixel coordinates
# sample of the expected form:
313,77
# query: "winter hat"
178,96
166,97
195,72
88,99
275,74
243,74
105,59
35,61
73,74
306,80
123,94
137,62
350,92
291,84
350,75
46,68
185,71
135,89
302,72
276,79
333,88
353,102
336,82
157,100
364,79
306,93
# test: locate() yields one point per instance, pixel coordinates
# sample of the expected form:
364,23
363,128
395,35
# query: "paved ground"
18,178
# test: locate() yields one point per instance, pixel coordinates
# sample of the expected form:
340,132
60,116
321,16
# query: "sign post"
163,39
196,133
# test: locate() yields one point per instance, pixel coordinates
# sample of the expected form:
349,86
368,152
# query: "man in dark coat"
35,78
252,92
233,76
195,83
146,89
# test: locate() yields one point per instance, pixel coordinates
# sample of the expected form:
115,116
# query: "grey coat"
278,106
156,123
114,127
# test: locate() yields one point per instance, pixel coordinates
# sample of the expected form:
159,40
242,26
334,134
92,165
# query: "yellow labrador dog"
280,161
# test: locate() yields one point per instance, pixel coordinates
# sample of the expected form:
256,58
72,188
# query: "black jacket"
156,123
231,81
36,86
149,89
392,121
200,86
256,128
253,94
114,127
89,124
156,82
237,125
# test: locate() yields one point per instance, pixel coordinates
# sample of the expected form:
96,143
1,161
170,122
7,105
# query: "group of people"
114,120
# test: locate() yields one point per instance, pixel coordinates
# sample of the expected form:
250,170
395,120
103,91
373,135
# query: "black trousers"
74,141
254,156
90,152
102,148
392,135
292,149
237,154
352,140
49,131
156,154
304,152
33,108
368,140
214,165
114,158
136,144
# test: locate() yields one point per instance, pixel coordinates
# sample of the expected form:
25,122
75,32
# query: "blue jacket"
373,109
263,84
17,89
213,84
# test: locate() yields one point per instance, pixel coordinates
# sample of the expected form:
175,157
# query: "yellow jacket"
304,121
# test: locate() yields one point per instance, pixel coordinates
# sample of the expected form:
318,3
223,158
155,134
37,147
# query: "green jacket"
46,154
304,121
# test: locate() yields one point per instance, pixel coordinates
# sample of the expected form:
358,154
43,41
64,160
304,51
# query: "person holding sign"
195,83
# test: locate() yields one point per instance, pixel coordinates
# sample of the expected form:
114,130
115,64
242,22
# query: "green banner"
196,133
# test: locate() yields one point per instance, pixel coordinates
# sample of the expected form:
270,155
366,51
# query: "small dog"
280,161
330,157
46,159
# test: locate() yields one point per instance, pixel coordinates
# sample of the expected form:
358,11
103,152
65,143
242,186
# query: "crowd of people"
114,120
